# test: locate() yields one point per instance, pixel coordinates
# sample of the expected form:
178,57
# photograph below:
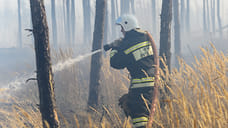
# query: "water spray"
15,84
62,65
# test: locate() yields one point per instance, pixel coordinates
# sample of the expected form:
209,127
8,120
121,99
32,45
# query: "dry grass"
14,114
198,96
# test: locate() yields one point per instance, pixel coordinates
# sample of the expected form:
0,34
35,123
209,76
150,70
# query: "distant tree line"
211,20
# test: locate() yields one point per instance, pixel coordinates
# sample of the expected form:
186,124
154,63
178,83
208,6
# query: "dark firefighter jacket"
135,53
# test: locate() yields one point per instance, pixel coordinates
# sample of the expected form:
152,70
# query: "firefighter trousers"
136,104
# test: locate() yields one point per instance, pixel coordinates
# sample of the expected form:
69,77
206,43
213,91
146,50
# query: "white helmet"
128,22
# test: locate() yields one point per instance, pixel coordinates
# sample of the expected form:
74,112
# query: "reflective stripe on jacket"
143,82
140,122
135,53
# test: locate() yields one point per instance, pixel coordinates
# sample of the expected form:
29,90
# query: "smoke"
18,82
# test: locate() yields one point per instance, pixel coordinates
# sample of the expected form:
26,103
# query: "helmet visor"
118,21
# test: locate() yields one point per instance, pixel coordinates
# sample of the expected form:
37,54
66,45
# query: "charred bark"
165,34
43,63
96,62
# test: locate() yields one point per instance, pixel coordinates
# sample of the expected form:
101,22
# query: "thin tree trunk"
117,8
19,24
96,61
208,16
204,17
87,21
43,63
113,15
106,27
73,20
68,22
122,7
64,20
188,16
219,18
154,16
213,15
177,40
125,7
165,34
54,24
132,6
118,13
182,14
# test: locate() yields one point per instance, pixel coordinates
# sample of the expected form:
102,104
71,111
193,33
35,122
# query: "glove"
114,44
107,47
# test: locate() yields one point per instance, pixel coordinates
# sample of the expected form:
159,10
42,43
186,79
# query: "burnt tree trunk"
177,40
19,24
43,63
96,62
54,24
165,34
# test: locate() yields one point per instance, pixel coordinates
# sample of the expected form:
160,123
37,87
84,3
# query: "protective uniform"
135,53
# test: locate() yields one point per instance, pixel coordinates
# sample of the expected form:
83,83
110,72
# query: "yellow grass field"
197,96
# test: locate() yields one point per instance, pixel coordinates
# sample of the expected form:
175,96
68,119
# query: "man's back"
135,53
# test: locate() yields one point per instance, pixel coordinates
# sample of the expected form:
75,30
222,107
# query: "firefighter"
135,52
